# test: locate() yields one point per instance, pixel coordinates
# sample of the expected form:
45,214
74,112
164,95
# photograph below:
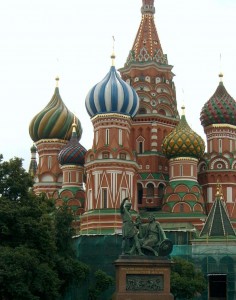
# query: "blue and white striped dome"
112,95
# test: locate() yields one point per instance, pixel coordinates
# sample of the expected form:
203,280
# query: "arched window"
140,147
140,193
150,190
161,188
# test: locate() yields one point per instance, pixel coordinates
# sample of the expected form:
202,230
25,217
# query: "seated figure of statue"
152,237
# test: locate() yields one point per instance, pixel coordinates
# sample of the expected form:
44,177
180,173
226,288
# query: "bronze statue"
129,230
137,236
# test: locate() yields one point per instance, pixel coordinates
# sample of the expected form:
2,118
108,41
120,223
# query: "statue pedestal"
142,278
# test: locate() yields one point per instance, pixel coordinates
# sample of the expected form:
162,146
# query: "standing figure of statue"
129,231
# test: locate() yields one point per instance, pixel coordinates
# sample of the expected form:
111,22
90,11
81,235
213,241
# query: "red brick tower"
148,71
51,129
71,159
183,197
111,166
218,117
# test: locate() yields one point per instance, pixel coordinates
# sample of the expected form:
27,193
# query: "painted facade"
142,149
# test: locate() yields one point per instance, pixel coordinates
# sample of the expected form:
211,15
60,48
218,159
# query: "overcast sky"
40,39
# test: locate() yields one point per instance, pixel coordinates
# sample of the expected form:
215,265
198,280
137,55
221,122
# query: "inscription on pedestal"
148,283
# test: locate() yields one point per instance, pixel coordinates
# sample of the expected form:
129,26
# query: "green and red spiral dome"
219,109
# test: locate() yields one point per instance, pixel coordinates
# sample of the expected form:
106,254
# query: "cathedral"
144,149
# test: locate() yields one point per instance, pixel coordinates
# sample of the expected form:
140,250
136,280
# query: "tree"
186,280
36,254
102,283
14,180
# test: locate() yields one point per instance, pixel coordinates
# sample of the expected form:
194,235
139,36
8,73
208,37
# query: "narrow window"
107,136
120,137
210,146
96,137
140,147
140,193
230,145
191,170
150,190
104,198
181,170
49,162
220,145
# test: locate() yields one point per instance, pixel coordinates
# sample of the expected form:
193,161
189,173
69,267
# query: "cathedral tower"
218,118
51,129
111,166
148,71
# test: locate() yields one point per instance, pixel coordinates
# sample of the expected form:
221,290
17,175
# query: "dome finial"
183,105
57,81
221,74
74,125
113,52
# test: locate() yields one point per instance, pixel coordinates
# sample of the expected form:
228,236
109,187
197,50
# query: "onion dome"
220,108
112,95
54,121
33,149
73,153
33,162
183,141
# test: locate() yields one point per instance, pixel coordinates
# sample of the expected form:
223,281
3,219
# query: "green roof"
155,176
218,223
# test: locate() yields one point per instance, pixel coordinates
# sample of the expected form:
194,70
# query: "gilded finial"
219,191
57,81
113,52
74,125
221,74
183,105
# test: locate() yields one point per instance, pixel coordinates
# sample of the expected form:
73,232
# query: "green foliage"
36,256
102,283
14,180
186,280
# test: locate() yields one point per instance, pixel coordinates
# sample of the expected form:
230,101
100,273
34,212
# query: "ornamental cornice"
110,116
110,162
183,158
50,141
222,125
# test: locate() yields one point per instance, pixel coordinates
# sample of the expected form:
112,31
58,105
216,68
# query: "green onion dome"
33,149
183,142
54,121
220,108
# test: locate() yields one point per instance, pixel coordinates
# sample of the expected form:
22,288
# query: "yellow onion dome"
183,142
54,121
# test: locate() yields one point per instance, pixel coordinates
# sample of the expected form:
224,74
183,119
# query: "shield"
165,247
